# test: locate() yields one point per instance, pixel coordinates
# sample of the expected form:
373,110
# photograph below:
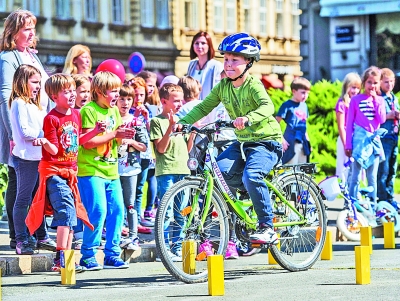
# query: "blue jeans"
387,170
11,194
63,202
128,184
164,183
141,179
152,189
27,183
248,175
371,173
103,201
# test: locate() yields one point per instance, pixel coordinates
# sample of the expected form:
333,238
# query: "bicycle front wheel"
185,234
300,245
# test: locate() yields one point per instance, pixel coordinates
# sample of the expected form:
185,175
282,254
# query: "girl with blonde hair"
78,60
351,87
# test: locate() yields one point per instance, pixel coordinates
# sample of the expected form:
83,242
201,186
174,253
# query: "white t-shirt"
27,125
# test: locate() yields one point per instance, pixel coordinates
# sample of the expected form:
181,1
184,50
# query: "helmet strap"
248,66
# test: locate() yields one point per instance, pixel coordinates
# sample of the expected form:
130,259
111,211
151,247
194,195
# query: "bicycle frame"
213,174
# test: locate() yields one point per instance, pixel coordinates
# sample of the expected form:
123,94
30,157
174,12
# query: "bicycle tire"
391,216
300,246
216,228
345,226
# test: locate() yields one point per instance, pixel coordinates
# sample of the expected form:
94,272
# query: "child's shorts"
62,201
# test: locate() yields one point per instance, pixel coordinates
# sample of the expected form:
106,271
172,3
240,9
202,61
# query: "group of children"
368,132
112,134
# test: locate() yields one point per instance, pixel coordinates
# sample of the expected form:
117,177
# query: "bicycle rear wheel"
300,245
178,225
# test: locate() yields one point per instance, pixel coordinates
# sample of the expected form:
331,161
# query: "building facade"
162,30
342,36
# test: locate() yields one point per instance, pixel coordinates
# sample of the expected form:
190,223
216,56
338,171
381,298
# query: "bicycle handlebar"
210,128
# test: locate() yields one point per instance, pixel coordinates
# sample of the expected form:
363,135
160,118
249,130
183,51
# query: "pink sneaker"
231,252
207,247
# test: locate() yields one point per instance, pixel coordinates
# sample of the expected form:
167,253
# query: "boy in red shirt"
58,167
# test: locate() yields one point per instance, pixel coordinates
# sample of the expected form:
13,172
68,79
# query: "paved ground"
12,264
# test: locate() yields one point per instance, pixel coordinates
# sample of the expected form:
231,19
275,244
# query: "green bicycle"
198,208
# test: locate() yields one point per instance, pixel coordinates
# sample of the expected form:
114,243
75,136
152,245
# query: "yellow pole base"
363,265
366,237
189,256
271,259
327,250
389,236
67,259
215,265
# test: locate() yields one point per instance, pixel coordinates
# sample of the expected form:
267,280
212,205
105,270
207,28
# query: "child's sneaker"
143,230
90,264
56,267
148,215
231,252
114,262
264,235
206,247
146,223
134,246
47,244
23,248
172,256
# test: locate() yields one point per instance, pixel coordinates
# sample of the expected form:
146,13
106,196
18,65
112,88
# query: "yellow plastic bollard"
67,260
271,259
389,236
366,237
189,256
327,251
363,265
215,265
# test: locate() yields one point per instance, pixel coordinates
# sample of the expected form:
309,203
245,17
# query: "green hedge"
321,125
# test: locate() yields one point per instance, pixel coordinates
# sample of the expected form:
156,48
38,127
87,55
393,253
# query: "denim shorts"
62,201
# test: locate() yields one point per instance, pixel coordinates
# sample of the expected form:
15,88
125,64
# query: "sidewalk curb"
37,263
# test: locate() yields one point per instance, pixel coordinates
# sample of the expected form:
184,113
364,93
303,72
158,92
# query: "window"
91,10
263,17
63,9
247,16
218,16
279,18
155,13
3,6
295,19
117,12
191,14
231,16
162,12
31,5
147,8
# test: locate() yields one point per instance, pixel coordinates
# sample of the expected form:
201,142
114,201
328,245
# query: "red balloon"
113,66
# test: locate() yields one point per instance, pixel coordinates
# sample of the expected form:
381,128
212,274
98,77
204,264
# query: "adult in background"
78,61
203,66
17,46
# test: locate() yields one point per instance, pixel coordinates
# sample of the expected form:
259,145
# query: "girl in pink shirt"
366,113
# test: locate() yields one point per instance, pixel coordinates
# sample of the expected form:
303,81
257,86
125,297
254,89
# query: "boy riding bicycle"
247,161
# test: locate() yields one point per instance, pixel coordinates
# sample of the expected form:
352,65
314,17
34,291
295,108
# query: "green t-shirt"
174,160
249,100
100,161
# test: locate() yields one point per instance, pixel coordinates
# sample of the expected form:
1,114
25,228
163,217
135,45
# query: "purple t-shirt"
367,113
342,108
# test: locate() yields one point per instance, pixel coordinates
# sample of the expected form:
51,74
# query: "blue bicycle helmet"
241,43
